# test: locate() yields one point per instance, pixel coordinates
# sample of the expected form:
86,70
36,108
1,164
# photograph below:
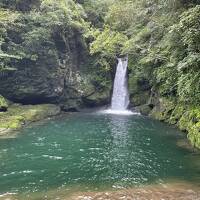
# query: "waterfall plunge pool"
90,152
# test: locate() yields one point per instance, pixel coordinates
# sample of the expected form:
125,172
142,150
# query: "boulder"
3,104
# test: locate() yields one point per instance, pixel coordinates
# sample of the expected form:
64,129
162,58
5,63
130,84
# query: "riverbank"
169,191
185,117
17,116
178,191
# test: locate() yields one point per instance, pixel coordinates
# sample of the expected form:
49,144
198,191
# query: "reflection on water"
90,152
129,161
119,147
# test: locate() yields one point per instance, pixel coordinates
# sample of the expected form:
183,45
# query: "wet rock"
144,109
20,115
163,110
139,98
3,104
70,107
97,99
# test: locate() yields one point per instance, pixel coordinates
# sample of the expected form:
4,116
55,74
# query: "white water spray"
120,97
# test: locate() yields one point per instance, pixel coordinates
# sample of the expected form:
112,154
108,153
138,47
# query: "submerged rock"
185,144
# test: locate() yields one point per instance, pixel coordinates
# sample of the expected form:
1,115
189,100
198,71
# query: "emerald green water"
94,151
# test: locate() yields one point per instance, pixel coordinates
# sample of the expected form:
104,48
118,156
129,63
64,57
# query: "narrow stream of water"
120,97
94,152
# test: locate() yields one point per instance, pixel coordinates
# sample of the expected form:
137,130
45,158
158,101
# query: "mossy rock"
194,135
3,104
18,115
144,109
189,118
140,98
138,84
97,99
190,122
71,105
185,122
177,114
163,110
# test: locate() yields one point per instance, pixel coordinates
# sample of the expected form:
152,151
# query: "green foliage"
108,43
189,88
189,35
7,19
120,15
162,39
189,28
42,35
96,10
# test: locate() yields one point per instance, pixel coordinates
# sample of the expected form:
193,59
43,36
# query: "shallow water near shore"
88,153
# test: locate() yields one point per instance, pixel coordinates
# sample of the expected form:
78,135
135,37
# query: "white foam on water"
7,194
120,96
118,112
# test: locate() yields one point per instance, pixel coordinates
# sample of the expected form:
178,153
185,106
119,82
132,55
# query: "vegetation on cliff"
43,52
162,41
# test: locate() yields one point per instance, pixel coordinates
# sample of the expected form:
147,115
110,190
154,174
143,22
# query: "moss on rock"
18,115
99,98
177,114
144,109
3,103
186,117
190,122
185,122
139,98
163,110
194,135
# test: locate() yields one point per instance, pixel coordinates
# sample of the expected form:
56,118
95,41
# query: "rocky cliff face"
60,83
50,80
34,85
44,54
47,78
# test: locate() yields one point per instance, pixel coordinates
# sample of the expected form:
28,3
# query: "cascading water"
120,97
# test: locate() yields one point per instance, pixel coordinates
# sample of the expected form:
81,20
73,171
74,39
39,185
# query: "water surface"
94,152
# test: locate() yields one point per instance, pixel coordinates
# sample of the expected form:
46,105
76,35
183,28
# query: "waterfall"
120,97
